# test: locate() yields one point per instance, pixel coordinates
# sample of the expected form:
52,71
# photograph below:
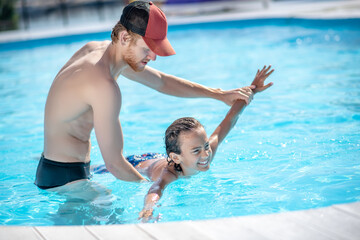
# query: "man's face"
138,54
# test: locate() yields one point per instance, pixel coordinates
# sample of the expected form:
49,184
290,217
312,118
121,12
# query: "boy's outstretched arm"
155,192
233,114
226,125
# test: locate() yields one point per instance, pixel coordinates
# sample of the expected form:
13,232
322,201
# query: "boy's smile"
196,153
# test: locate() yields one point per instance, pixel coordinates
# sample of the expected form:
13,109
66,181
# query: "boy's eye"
196,151
207,145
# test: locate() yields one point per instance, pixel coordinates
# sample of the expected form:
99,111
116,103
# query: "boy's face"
196,153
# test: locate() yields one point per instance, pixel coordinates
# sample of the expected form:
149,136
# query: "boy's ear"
175,157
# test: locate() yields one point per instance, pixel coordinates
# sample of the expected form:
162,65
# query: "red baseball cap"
147,20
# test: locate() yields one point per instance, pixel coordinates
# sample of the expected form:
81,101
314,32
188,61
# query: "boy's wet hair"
172,134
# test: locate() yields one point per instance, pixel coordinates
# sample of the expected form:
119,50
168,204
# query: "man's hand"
244,93
258,83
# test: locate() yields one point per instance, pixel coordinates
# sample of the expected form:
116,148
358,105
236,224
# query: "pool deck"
205,12
334,222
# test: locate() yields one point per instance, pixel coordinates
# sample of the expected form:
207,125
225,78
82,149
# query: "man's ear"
124,37
175,157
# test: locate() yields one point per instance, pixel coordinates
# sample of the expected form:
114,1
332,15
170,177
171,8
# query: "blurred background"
35,14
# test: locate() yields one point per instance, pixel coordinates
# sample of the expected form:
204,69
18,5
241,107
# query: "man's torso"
68,116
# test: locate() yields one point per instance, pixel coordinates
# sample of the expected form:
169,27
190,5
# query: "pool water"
297,146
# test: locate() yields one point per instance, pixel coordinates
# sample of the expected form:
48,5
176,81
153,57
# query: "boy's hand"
260,78
146,214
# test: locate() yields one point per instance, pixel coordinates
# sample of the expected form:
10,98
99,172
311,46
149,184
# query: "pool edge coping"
318,223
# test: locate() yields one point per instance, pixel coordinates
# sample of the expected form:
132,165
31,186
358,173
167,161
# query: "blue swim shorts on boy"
133,160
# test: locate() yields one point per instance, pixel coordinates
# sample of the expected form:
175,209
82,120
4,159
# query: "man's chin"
137,68
140,69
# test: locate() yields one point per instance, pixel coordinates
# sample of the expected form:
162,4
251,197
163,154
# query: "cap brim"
160,47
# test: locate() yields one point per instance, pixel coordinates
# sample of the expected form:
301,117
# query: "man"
85,95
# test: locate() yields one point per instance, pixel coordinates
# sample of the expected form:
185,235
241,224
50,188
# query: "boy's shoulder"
169,174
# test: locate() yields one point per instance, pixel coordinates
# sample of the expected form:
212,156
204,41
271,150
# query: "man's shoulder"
88,54
93,45
84,60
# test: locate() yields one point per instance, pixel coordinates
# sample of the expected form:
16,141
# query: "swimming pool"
295,147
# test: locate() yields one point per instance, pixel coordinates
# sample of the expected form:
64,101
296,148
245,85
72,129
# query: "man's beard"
131,61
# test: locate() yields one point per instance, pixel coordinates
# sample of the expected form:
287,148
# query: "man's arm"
179,87
155,192
105,100
233,114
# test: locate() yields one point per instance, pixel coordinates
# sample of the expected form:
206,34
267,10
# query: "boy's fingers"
268,85
261,71
268,74
264,71
265,87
